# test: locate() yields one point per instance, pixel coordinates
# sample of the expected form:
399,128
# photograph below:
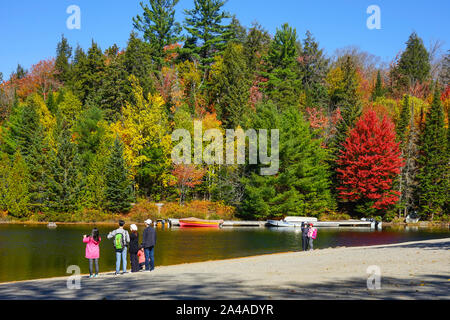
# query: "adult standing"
121,240
148,243
305,229
134,248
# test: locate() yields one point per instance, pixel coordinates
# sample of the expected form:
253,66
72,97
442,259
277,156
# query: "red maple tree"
369,162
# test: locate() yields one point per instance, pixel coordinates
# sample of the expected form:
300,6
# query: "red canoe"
199,223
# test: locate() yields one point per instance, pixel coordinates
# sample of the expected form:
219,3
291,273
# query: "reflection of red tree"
369,162
186,176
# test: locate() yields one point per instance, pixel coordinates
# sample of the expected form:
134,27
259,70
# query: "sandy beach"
412,270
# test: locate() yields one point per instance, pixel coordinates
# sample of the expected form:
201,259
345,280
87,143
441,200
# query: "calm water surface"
31,252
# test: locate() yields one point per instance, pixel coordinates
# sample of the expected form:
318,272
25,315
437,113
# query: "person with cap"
148,243
121,240
134,248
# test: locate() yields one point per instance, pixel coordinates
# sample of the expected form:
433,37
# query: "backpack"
119,241
312,233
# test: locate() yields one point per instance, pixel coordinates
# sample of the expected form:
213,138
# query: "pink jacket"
92,248
141,256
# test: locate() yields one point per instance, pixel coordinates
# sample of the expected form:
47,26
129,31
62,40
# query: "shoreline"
333,273
425,224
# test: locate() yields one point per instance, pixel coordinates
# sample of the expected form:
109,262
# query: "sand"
413,270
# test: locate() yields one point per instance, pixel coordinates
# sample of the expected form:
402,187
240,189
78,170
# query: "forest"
86,135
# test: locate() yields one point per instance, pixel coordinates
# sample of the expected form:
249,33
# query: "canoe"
199,223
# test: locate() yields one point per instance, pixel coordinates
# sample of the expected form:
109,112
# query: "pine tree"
302,185
62,63
118,193
283,85
433,161
158,26
230,86
66,180
414,65
378,90
114,88
138,62
204,24
313,70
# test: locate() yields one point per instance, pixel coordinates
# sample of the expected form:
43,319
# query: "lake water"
35,251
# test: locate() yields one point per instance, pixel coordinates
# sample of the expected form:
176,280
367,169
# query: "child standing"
141,256
93,250
312,235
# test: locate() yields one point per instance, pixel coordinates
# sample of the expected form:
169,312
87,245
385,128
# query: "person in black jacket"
148,243
305,229
134,248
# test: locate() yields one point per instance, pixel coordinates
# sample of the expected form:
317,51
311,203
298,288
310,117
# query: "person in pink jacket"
93,250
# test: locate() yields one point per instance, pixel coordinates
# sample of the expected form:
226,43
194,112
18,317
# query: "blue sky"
31,29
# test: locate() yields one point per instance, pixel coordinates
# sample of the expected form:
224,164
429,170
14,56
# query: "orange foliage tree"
186,177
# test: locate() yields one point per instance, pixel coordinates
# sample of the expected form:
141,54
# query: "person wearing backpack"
121,239
312,235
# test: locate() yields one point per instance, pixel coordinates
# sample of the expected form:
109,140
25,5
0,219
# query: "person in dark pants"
134,248
305,240
148,243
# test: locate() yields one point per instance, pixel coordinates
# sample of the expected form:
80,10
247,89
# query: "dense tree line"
92,129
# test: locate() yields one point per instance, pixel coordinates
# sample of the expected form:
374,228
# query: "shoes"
96,275
91,276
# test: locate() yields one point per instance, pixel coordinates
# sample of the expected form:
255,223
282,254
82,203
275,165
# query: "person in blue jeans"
148,243
121,239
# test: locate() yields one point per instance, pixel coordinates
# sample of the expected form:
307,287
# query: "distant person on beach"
134,248
93,250
148,243
121,240
312,234
305,229
141,256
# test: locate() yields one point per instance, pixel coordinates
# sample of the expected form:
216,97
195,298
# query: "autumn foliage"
369,162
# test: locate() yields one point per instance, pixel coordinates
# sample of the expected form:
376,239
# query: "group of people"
309,234
141,254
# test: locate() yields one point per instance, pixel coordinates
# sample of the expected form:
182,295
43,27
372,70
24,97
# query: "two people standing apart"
121,239
309,234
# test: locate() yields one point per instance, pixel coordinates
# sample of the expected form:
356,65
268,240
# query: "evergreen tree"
283,85
256,46
302,185
66,180
204,24
114,88
433,161
231,86
62,62
414,65
118,191
313,71
378,90
158,26
138,62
